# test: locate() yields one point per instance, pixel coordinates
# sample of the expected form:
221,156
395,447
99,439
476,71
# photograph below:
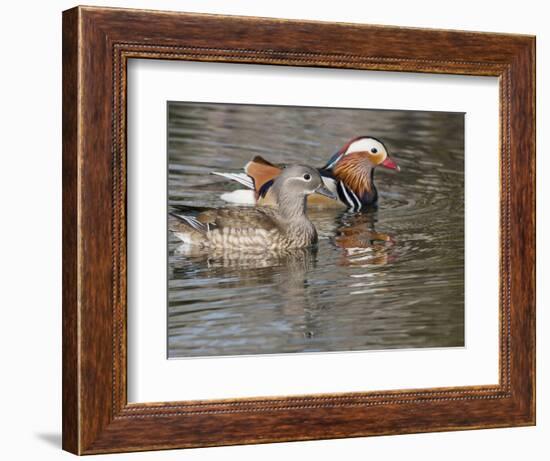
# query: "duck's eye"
374,150
307,177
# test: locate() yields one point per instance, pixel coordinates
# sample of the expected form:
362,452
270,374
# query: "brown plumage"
258,229
355,173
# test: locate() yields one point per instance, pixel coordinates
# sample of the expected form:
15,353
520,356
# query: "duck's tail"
257,172
241,178
188,229
242,196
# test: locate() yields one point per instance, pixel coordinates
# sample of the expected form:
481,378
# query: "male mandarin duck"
280,227
349,174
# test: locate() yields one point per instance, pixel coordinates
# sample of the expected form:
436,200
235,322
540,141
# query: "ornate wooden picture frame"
97,44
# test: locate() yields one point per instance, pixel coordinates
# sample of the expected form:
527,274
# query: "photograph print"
313,229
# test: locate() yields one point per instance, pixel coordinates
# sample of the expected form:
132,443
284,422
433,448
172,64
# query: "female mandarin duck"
283,226
349,175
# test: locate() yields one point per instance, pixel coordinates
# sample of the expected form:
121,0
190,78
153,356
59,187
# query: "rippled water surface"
385,279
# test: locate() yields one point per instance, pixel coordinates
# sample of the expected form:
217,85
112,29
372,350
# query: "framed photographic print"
281,230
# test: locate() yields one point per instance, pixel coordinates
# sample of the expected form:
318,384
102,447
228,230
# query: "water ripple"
389,278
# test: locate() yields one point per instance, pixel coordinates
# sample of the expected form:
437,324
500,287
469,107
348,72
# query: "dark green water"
389,278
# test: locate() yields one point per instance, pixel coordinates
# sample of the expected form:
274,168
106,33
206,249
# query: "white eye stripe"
300,178
365,145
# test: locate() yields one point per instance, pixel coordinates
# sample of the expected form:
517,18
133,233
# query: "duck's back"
240,218
254,229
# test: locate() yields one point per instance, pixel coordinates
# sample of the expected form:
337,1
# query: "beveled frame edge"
97,43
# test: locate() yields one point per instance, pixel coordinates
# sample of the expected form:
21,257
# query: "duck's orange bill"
390,164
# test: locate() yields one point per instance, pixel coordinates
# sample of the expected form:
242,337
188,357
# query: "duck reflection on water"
362,245
292,270
288,269
248,266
